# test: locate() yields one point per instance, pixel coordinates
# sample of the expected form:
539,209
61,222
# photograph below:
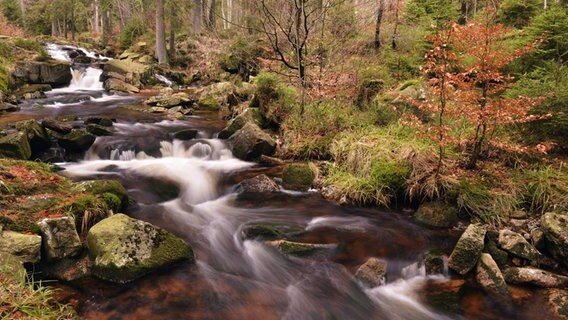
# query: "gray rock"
468,249
555,228
302,249
123,249
113,84
249,115
372,273
16,146
536,277
491,279
26,247
298,177
54,73
517,245
250,142
101,121
436,214
60,238
260,183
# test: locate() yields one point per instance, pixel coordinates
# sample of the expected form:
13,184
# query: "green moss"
112,201
208,103
100,187
20,224
297,176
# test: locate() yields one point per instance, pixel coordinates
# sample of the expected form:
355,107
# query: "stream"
190,189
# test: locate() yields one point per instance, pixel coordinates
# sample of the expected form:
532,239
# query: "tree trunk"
161,53
380,12
395,31
73,20
107,28
197,16
212,12
96,18
173,28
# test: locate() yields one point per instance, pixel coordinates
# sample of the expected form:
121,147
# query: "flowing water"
190,189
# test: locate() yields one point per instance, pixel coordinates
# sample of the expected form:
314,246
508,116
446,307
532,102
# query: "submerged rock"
302,249
297,176
123,249
99,130
76,141
437,214
555,228
60,238
251,142
16,146
536,277
26,247
372,273
517,245
491,279
260,183
269,231
67,269
101,121
468,249
443,296
186,134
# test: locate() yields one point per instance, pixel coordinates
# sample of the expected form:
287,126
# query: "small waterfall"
90,79
61,52
164,80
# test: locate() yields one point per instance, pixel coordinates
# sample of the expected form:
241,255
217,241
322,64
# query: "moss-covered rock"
11,269
250,142
517,245
170,100
26,247
99,130
123,249
100,187
60,238
15,146
36,134
77,141
208,103
269,231
491,279
437,214
113,84
555,228
535,277
297,176
500,256
372,273
302,249
468,249
249,115
57,126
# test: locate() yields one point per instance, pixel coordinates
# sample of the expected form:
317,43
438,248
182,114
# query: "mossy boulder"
303,249
500,256
27,247
437,214
16,146
250,142
249,115
490,278
60,238
372,273
297,176
76,141
102,188
11,269
123,249
37,135
535,277
208,103
113,84
468,249
555,228
516,244
269,231
258,184
170,100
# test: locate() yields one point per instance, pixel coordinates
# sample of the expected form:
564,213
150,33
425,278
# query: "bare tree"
380,12
197,16
161,53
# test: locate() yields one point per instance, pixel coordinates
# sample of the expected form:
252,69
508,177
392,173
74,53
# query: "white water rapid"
205,210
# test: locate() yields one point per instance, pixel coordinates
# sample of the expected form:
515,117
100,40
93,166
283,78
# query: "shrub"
134,29
517,13
274,99
242,58
480,199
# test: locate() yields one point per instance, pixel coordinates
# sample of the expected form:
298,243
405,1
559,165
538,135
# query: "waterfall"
61,52
90,79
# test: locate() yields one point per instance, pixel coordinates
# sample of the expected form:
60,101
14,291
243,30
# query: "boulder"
60,238
125,66
123,249
57,126
372,273
555,228
260,183
517,245
113,84
26,247
37,135
269,231
537,238
249,115
99,130
53,72
435,263
186,134
31,89
68,269
491,279
297,176
169,101
250,142
500,256
468,249
437,214
558,303
6,107
16,146
302,249
11,269
100,187
535,277
101,121
76,141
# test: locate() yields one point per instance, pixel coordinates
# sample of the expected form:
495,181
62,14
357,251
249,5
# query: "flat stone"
517,245
302,249
260,183
535,277
491,279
